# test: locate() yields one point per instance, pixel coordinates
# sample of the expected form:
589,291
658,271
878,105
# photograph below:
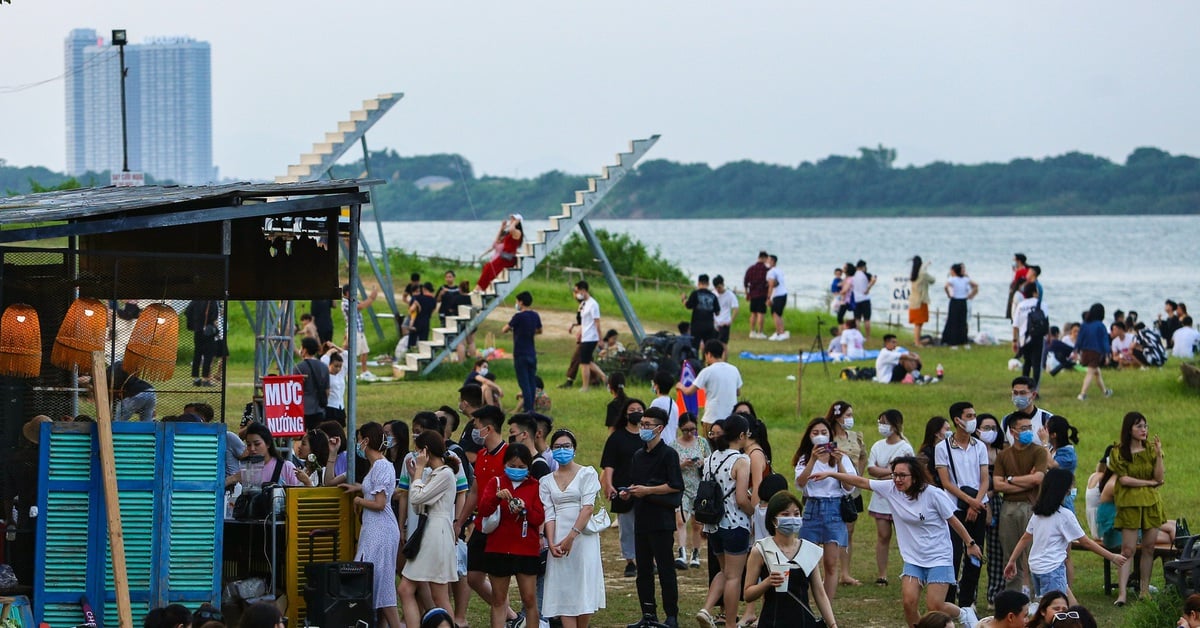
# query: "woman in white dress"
433,492
574,572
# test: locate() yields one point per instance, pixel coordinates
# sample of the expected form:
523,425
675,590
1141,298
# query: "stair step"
347,126
370,105
322,148
299,170
335,137
412,360
358,116
465,312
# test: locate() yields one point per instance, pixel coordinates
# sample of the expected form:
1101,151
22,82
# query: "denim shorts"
942,574
1054,580
823,521
730,541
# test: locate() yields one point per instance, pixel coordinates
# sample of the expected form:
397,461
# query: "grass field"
978,375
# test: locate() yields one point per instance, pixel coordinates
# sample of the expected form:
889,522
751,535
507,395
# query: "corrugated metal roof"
83,204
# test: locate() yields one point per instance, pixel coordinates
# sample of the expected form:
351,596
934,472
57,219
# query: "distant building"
433,183
168,94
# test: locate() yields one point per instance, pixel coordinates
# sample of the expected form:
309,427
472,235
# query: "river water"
1125,262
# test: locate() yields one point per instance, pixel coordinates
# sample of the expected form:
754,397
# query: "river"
1125,262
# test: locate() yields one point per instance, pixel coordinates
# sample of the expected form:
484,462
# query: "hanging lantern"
20,342
151,351
83,331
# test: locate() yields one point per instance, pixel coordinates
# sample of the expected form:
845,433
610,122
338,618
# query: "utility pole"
119,40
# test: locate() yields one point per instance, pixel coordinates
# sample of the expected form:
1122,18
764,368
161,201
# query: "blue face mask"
789,525
1025,438
1021,402
563,456
358,451
388,442
516,475
477,437
646,435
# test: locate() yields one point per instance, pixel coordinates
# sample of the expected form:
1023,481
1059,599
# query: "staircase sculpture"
315,164
444,340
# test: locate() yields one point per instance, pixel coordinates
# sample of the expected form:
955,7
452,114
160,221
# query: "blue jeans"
141,404
526,366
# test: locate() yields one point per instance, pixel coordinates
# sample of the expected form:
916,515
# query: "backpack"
709,506
1037,323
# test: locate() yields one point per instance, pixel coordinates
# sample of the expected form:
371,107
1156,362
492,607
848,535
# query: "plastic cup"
786,571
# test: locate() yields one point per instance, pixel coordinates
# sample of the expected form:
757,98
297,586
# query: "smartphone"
622,489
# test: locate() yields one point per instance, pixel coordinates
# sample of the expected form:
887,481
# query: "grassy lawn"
977,375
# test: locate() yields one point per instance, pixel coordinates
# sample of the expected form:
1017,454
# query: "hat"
32,431
518,218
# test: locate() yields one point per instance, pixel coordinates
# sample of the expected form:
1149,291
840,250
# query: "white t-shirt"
885,364
858,285
1052,537
1021,317
589,316
728,302
672,409
881,455
921,529
1122,345
780,286
960,287
966,461
852,344
720,381
1184,341
337,384
829,487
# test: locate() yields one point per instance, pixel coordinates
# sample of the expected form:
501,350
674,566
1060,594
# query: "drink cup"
786,571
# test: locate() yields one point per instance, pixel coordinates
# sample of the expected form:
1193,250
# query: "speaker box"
340,595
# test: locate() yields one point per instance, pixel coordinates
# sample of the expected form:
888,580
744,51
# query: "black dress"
789,609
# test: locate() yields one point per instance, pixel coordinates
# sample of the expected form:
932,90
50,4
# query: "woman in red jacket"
513,547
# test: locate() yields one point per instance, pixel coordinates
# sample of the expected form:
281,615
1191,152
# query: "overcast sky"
519,88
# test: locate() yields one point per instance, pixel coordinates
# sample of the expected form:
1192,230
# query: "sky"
521,88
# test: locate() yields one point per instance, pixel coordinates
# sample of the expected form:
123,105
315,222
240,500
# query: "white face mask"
483,371
885,430
988,436
970,426
848,422
820,439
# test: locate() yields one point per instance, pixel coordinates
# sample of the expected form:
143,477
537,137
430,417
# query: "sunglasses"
1067,615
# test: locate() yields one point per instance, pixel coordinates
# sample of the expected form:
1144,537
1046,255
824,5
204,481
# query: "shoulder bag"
973,492
598,522
492,521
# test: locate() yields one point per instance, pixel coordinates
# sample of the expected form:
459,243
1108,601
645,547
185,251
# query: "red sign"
283,404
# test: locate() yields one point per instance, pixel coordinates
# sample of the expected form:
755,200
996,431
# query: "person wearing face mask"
823,523
1018,476
435,490
522,428
574,570
781,569
1024,399
729,538
379,538
892,445
988,431
616,462
524,325
589,335
924,517
841,418
513,548
486,380
489,466
407,474
962,466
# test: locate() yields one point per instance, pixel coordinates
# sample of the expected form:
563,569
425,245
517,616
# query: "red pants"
491,269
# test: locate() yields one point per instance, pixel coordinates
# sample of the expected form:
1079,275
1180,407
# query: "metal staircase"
444,340
324,154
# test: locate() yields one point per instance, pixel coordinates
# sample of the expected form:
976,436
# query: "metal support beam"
351,362
356,284
614,283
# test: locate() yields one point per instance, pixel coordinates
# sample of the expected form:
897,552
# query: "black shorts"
477,552
862,311
758,305
777,305
510,565
586,351
723,334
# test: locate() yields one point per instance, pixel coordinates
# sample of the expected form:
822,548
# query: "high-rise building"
168,94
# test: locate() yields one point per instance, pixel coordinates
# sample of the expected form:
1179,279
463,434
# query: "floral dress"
691,476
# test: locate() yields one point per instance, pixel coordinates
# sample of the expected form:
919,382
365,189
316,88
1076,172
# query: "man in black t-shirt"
704,306
656,488
616,461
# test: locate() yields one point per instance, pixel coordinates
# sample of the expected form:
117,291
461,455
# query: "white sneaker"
967,617
773,337
368,376
784,336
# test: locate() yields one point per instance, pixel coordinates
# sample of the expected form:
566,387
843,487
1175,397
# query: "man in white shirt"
721,381
335,408
663,385
1184,340
728,303
589,334
777,298
861,284
962,467
889,369
1030,349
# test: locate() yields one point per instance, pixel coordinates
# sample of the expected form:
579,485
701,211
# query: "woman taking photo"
314,451
259,442
921,513
840,417
513,548
693,451
504,250
574,572
379,537
960,288
432,492
784,560
1138,466
823,522
918,297
879,467
729,538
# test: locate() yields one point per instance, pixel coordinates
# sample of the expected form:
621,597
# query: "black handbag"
413,545
847,509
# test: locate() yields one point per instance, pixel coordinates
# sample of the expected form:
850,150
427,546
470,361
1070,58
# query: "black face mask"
633,418
512,440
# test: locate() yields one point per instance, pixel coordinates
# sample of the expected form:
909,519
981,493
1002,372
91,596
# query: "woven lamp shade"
84,330
20,342
151,351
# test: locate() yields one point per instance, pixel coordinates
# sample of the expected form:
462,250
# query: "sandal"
882,582
850,583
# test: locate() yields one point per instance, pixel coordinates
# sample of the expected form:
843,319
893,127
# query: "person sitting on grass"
486,382
893,365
